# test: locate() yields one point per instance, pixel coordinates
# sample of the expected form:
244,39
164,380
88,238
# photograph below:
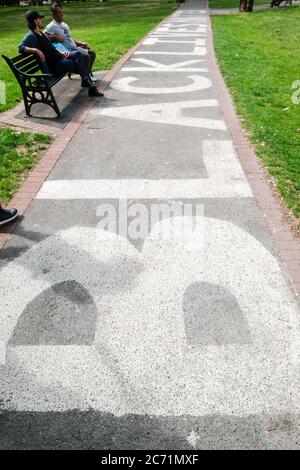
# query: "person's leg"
87,61
92,56
66,65
7,215
75,63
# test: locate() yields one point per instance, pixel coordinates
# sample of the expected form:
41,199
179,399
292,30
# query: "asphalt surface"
142,304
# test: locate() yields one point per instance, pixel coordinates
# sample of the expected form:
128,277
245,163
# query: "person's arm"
33,50
28,45
55,37
27,42
52,33
82,44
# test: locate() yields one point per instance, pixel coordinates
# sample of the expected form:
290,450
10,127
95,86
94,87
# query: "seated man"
54,61
57,31
7,215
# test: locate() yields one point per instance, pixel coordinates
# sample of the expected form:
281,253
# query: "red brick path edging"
41,171
287,244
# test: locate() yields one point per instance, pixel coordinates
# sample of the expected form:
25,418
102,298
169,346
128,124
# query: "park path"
177,327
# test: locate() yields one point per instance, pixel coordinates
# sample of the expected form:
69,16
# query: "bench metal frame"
36,86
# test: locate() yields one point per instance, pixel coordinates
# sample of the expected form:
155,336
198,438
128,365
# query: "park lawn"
19,152
259,57
233,3
111,28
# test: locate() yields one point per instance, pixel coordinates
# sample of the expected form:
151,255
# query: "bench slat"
22,60
32,67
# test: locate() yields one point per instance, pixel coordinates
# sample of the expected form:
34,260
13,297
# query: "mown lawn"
259,58
111,28
19,152
233,3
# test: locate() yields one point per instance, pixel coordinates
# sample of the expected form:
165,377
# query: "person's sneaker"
7,215
95,92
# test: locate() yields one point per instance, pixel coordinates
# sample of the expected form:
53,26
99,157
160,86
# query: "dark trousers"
89,60
73,64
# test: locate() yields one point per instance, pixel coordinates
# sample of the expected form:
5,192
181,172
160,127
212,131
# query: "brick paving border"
285,240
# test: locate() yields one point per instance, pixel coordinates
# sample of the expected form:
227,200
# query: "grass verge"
259,58
233,3
19,152
111,28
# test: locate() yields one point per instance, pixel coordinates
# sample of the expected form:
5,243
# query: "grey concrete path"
142,304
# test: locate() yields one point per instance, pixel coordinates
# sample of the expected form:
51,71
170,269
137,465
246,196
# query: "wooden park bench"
36,86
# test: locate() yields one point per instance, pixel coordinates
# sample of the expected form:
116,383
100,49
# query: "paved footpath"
142,303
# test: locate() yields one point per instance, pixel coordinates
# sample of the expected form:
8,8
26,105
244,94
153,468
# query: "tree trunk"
250,5
246,5
243,6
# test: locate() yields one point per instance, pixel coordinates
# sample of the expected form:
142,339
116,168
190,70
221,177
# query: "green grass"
19,152
233,3
259,58
111,28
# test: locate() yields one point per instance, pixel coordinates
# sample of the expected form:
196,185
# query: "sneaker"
95,92
7,215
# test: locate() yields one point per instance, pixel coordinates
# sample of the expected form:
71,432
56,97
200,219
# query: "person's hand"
40,55
66,54
85,45
59,38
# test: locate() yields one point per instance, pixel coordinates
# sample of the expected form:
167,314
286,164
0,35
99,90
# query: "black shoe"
7,215
95,92
86,83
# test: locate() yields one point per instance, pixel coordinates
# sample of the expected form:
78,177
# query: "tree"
246,5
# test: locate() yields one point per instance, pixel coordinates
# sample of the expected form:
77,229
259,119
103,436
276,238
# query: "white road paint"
198,51
180,35
226,179
141,361
165,113
214,187
159,67
192,439
180,30
2,353
124,84
155,40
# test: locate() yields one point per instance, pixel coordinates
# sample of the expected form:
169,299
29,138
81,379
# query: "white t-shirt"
63,30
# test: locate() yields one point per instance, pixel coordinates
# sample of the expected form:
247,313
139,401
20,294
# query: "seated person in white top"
57,31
